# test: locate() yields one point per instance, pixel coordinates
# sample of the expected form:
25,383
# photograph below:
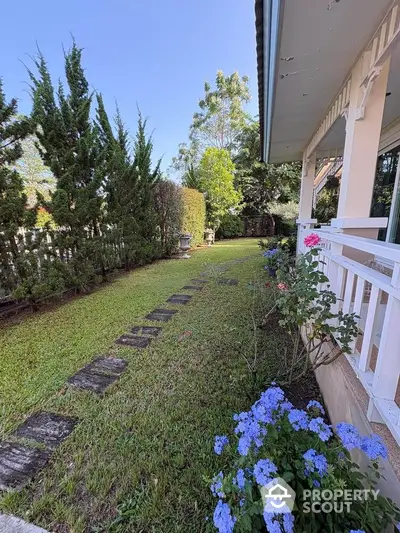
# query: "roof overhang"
305,52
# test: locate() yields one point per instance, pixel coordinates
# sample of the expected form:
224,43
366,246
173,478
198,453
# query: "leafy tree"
13,200
218,123
221,117
328,200
264,185
217,182
35,175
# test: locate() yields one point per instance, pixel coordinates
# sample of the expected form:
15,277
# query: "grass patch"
137,459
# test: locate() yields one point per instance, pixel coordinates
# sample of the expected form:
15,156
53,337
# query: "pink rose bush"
312,240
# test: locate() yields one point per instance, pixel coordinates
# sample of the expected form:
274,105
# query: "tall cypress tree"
128,186
14,213
148,177
69,147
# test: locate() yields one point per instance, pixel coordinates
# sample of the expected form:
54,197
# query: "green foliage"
287,244
264,185
304,305
13,200
327,202
231,226
194,215
221,117
168,204
217,182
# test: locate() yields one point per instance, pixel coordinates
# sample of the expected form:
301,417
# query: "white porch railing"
375,297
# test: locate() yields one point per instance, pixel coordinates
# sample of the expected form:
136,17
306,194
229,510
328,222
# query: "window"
384,202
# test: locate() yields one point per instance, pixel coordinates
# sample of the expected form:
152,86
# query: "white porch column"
360,155
306,198
307,187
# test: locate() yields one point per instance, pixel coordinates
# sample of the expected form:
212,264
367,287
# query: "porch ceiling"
317,49
334,140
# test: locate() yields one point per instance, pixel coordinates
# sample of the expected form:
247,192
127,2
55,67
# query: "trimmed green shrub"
194,215
231,226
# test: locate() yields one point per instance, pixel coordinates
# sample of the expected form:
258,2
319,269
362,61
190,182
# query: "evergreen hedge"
194,215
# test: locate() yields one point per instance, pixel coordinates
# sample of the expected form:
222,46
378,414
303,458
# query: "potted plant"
272,260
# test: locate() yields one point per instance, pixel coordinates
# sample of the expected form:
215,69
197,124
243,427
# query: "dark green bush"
231,226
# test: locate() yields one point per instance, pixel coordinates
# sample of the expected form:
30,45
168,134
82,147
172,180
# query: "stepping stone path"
182,299
226,281
161,315
19,463
134,341
46,428
99,374
151,331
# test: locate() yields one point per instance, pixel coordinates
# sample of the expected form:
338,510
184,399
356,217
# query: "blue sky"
153,52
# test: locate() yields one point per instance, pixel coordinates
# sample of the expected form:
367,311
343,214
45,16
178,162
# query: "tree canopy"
216,179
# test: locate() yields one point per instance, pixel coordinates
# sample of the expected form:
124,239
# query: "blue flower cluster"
220,443
317,425
263,470
371,445
270,253
239,480
315,462
216,486
313,404
275,521
298,419
223,519
267,410
374,447
252,427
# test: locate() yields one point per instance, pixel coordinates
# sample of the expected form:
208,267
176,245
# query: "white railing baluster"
358,301
367,343
387,369
348,295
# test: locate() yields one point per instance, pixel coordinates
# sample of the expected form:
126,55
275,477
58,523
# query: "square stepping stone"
161,315
99,374
192,287
134,341
19,463
151,331
47,428
226,281
92,382
182,299
194,280
107,365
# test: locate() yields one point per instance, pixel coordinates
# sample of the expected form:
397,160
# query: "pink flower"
312,240
282,286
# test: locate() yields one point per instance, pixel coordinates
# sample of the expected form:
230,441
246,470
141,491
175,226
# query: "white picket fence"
374,295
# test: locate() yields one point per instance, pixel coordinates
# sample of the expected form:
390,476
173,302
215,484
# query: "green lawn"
137,459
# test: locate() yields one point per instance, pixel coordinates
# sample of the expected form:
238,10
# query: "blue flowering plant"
275,440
